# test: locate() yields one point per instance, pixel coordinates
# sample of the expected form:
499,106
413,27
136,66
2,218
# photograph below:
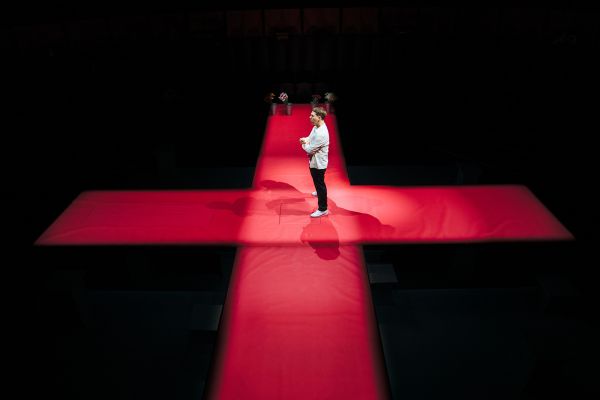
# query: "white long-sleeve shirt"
317,147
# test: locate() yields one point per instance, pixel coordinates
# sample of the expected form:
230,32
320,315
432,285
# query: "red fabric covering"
298,322
276,210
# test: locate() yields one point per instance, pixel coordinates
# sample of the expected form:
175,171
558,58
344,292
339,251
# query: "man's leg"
318,176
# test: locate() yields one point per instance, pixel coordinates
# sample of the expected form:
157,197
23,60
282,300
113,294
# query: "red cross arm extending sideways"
298,322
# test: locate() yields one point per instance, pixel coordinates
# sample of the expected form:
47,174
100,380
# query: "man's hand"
303,140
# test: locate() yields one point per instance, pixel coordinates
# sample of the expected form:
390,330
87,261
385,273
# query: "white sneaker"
318,213
314,194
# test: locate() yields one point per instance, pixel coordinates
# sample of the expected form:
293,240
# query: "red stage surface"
278,214
276,210
298,322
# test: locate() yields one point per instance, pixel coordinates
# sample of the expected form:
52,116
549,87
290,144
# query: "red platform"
298,322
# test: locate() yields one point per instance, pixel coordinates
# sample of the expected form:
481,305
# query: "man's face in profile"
314,119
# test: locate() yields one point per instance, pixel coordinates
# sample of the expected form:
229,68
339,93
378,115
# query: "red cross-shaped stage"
298,322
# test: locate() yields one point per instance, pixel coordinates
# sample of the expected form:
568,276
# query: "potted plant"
329,99
316,98
284,99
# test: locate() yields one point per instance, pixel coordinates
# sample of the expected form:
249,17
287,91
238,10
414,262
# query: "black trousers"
318,176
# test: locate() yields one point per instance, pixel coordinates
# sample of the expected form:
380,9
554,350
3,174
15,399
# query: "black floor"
127,322
502,321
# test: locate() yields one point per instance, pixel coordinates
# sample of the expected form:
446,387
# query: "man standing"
316,146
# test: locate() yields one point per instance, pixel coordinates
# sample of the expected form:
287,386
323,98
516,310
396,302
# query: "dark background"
171,97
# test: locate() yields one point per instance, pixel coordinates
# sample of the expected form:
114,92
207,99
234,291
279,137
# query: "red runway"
275,210
298,322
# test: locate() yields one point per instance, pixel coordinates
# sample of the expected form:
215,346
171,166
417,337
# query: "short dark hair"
320,112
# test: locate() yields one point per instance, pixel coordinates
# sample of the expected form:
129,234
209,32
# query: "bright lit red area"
278,214
276,210
298,322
